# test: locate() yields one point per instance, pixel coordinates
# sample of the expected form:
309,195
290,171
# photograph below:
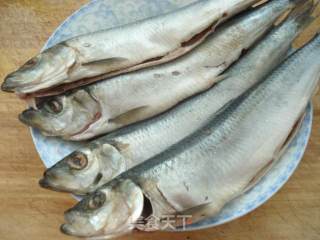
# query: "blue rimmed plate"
103,14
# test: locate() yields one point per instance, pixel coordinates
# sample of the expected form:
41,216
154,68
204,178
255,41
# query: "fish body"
95,56
130,98
112,154
203,172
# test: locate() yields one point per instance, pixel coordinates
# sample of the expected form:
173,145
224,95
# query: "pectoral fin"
108,61
197,214
131,116
221,77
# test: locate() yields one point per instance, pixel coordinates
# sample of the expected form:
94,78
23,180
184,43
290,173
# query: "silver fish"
200,174
109,105
100,161
130,47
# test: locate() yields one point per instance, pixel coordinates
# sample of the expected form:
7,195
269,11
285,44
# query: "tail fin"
298,7
302,13
302,17
316,4
301,2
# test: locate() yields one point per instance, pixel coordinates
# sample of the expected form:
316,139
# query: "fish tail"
316,4
302,13
301,2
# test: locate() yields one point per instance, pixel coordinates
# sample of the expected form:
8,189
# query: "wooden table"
29,212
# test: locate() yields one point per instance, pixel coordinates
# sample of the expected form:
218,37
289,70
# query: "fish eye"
31,63
97,200
78,161
53,106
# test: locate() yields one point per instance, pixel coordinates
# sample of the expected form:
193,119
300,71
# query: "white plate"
102,14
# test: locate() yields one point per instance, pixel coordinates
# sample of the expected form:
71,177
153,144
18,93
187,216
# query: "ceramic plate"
103,14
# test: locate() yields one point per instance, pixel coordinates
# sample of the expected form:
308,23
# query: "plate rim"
199,226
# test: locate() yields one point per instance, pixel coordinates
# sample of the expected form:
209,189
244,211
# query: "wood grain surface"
29,212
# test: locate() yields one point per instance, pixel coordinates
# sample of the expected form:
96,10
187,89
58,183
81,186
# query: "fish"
115,103
101,160
211,167
96,56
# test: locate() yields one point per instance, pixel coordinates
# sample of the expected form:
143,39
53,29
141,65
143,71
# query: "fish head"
84,170
63,115
109,211
48,68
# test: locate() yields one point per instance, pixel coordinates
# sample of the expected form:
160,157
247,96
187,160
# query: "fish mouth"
31,118
27,117
6,86
13,83
46,184
66,229
70,227
49,181
9,83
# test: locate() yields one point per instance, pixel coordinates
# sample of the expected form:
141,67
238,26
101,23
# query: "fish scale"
240,144
135,144
126,48
192,76
196,111
243,144
137,96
